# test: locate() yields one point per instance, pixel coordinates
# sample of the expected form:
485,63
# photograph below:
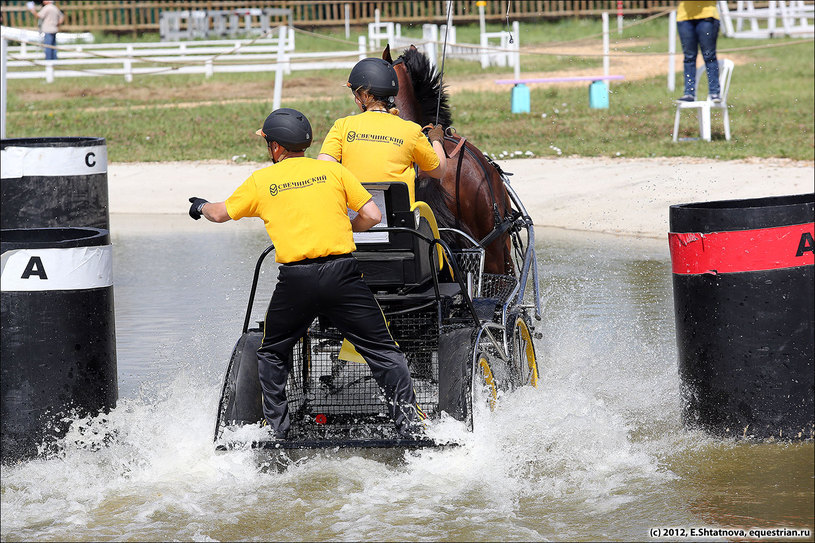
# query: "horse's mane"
426,85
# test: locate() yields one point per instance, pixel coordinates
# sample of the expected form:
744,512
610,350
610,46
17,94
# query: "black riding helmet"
375,75
289,128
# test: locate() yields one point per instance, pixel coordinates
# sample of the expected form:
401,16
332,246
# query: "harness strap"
497,231
458,184
458,147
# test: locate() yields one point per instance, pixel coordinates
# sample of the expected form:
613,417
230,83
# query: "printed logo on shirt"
274,189
375,138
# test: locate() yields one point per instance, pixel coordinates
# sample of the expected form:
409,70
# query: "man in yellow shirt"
303,203
698,25
377,145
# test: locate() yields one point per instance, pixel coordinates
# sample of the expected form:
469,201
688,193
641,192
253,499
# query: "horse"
471,196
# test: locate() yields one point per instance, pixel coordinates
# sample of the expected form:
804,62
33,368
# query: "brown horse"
471,196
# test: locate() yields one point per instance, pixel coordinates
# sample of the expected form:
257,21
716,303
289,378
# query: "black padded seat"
392,261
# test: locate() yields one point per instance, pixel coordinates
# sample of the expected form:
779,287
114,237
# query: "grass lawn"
189,117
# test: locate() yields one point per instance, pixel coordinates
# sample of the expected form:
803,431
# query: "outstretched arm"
213,211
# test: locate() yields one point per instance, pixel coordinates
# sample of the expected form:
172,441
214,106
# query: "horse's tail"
431,192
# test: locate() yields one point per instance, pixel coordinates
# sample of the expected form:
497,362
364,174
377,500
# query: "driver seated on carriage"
377,145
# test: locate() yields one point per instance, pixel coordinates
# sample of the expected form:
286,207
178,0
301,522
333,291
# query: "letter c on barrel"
89,160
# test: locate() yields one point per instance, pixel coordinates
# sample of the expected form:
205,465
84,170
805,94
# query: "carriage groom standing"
304,203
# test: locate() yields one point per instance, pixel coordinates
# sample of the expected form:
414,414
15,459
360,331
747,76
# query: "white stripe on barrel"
73,268
48,161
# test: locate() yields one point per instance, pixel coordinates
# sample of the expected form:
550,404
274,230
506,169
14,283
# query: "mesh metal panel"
497,286
471,264
330,397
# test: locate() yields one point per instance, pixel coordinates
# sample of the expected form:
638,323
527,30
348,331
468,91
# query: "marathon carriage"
463,331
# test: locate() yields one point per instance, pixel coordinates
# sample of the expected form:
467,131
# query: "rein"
500,224
443,56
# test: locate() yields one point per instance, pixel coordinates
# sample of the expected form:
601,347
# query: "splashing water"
596,452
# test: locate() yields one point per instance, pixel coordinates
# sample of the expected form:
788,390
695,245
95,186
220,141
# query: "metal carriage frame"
461,330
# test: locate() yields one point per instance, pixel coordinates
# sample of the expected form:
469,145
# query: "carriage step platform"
317,444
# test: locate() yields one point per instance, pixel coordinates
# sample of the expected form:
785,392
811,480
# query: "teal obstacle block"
598,95
520,98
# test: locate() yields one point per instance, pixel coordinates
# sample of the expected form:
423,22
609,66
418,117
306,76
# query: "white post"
3,54
376,28
672,51
363,47
482,20
49,71
128,64
278,74
605,46
208,68
771,7
347,21
619,16
516,29
430,35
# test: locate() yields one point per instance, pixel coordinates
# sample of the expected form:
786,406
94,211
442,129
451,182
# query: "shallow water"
597,452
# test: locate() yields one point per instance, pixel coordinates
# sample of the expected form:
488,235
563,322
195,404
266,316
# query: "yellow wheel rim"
523,343
489,380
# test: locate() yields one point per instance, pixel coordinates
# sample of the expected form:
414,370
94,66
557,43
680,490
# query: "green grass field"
178,117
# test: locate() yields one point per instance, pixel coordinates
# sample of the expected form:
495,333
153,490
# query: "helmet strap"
280,156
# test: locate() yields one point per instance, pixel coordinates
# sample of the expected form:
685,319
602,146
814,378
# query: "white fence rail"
780,18
194,57
25,35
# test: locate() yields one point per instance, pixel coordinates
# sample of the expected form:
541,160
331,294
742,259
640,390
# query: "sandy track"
619,196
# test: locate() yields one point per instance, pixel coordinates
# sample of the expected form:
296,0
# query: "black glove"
195,208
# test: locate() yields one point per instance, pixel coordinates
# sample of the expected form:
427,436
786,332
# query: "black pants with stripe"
332,287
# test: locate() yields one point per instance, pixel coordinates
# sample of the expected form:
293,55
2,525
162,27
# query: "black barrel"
744,296
58,337
54,182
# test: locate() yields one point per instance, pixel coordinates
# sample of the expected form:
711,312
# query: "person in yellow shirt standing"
303,203
376,144
698,25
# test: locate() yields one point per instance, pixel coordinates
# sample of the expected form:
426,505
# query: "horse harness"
500,224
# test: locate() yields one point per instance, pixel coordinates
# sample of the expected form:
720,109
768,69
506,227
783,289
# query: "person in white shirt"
50,18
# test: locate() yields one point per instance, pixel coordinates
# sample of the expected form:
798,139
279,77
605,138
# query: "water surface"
597,452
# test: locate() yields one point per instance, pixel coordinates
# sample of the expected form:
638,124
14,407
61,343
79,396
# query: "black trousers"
333,288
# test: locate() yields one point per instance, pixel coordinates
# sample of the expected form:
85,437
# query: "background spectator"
50,17
698,25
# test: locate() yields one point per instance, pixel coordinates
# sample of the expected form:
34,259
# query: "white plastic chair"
704,106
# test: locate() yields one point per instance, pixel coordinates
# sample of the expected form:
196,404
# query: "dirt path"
619,196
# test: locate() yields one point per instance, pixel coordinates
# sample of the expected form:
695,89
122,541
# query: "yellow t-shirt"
304,203
378,147
696,9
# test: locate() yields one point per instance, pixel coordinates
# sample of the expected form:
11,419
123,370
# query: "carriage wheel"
524,362
484,379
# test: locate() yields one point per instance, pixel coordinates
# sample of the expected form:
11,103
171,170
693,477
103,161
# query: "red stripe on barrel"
743,250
